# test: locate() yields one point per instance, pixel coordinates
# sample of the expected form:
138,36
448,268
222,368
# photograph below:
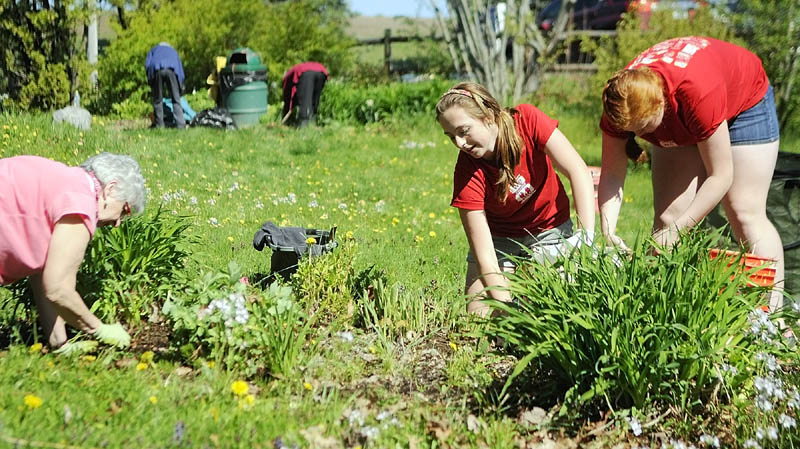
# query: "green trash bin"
243,86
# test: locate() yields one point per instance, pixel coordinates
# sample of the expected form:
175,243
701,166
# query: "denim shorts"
756,125
528,247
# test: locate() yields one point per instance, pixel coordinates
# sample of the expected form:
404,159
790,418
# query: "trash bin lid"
243,59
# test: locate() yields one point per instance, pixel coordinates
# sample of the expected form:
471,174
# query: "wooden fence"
387,41
574,60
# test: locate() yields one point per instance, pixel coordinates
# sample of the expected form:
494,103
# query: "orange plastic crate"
764,276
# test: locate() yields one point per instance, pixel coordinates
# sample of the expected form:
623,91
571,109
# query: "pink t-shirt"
706,81
35,193
536,202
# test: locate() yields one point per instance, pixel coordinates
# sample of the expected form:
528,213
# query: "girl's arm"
609,193
480,243
718,162
569,162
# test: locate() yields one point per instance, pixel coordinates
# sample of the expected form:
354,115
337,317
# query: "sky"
390,8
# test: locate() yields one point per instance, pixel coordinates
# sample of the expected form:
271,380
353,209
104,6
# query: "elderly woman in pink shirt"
48,214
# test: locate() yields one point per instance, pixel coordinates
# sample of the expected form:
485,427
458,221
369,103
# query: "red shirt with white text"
706,81
536,202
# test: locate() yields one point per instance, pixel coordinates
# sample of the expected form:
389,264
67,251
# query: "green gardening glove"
76,348
113,335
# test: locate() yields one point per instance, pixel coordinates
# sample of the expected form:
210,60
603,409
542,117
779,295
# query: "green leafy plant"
217,317
128,267
282,330
369,104
398,312
323,284
650,331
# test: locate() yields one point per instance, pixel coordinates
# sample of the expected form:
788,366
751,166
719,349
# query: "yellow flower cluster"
239,388
32,401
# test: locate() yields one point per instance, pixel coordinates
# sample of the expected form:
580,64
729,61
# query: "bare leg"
474,290
677,173
745,205
52,324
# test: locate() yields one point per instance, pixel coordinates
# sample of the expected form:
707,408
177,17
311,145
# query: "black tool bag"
214,118
290,244
783,210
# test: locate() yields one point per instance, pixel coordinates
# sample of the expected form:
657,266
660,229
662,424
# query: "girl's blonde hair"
632,96
476,101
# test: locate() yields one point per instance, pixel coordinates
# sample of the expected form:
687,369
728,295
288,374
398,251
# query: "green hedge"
346,103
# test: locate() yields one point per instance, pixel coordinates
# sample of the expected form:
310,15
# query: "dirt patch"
152,337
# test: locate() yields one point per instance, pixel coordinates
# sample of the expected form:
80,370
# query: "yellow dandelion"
153,400
210,364
395,220
141,366
311,240
146,357
373,350
36,347
348,235
432,234
432,215
308,386
453,346
230,238
239,388
32,401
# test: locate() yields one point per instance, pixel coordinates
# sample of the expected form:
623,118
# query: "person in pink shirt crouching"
48,214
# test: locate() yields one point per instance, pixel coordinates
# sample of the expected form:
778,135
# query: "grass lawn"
387,187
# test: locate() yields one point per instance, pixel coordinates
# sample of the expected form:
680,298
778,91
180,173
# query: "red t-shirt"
292,76
706,81
535,203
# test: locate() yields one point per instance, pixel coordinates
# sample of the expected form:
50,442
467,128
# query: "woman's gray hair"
125,171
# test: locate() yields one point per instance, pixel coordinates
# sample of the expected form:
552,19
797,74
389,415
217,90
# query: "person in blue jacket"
163,65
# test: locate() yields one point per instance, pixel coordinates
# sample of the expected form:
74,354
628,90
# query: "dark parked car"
604,14
586,14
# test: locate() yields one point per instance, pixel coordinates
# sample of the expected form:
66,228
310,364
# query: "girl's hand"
614,240
666,237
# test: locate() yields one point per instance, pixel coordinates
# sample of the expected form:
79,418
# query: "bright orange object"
763,277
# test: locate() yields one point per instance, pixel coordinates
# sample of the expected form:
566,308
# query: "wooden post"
387,51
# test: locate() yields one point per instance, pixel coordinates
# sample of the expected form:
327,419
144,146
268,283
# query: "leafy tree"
37,57
771,29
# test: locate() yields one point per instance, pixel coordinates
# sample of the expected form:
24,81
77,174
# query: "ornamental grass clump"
129,267
651,331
